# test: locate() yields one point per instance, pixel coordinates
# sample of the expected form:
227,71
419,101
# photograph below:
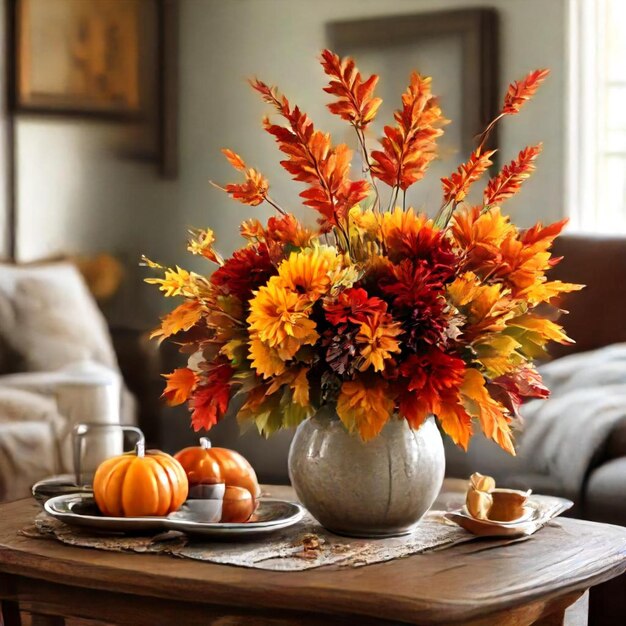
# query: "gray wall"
76,195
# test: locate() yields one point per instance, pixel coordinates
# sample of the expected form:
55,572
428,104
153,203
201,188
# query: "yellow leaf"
151,264
549,330
486,307
265,360
497,354
176,282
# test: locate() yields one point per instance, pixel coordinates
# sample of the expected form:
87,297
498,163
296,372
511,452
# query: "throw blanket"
563,434
30,428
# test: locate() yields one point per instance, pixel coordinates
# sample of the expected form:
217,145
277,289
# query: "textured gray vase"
376,489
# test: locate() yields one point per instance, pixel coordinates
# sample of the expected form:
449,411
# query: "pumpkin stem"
205,443
140,448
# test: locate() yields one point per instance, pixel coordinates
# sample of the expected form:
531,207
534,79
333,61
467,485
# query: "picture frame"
109,60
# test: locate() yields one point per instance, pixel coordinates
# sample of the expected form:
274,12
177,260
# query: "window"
597,167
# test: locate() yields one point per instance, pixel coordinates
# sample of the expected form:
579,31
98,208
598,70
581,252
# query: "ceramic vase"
378,488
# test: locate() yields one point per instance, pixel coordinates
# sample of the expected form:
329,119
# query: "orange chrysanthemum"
310,272
279,317
377,341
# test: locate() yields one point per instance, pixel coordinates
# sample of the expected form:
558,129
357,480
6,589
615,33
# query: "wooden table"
527,582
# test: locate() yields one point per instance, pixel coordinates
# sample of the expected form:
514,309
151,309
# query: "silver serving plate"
81,510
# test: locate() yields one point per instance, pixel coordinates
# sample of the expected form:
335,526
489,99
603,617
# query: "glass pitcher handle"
79,432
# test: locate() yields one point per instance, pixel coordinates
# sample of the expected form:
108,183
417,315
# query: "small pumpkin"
140,484
205,465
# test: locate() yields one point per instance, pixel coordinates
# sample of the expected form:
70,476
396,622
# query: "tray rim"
167,523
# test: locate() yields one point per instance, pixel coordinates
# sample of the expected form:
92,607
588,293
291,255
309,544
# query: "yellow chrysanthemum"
310,272
364,223
403,223
279,317
377,341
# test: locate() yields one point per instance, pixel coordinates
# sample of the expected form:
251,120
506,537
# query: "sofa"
60,364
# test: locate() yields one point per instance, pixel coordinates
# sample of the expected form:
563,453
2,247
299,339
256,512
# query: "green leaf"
293,413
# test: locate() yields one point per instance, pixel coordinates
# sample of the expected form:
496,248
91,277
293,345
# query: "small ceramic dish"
524,525
528,513
80,510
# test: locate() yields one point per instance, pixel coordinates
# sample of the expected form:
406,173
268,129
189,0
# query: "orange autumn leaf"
519,92
253,191
300,387
524,261
297,380
456,423
355,97
545,291
313,160
365,407
542,237
182,318
472,228
508,182
234,159
456,187
479,404
485,308
201,243
410,146
180,384
210,399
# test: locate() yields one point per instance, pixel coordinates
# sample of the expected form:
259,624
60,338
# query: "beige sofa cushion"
30,428
50,318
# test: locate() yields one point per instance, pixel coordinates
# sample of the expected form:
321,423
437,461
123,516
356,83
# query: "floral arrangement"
377,310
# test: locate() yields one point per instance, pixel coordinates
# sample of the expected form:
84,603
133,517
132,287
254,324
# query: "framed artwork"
459,49
106,59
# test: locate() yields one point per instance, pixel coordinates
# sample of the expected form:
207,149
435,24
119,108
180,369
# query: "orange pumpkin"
206,465
140,484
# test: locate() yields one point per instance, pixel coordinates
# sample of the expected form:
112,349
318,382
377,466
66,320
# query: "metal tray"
81,510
